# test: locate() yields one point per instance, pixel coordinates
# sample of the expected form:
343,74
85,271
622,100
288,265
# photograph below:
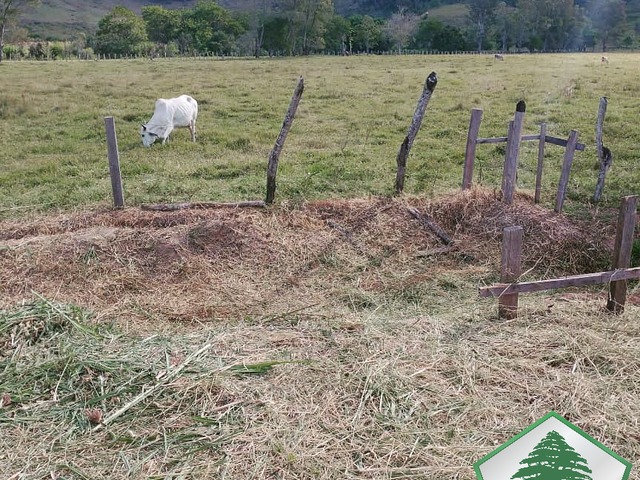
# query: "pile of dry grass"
200,265
554,244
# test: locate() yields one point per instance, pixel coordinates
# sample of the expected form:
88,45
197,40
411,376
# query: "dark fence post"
114,162
272,167
566,169
605,156
543,134
470,152
511,270
602,110
403,153
622,251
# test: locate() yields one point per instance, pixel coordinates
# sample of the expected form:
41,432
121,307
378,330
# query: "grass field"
353,117
330,335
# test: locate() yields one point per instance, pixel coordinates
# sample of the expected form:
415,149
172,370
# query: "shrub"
57,50
39,51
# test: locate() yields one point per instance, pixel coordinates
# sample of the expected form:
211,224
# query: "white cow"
169,114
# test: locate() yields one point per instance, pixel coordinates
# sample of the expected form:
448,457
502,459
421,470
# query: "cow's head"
147,137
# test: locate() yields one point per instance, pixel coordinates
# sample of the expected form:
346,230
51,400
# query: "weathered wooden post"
510,270
272,167
566,169
605,163
602,110
513,150
470,152
622,251
605,157
543,134
403,153
114,162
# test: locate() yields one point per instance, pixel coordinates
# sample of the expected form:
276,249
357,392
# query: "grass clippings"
271,344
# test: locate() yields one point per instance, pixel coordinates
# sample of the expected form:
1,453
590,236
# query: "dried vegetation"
332,339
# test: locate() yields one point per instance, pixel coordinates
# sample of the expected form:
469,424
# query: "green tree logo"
553,459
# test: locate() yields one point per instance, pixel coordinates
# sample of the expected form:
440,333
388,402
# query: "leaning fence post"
272,167
566,169
543,134
604,154
513,149
403,153
510,270
470,152
114,162
622,251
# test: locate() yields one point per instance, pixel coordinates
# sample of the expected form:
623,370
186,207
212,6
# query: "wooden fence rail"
584,280
547,139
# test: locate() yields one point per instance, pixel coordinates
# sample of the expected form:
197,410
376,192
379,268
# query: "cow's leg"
192,129
167,133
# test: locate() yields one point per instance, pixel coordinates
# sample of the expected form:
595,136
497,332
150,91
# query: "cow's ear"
153,134
144,128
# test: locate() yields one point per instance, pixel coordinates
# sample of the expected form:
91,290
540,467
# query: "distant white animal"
497,56
604,59
170,113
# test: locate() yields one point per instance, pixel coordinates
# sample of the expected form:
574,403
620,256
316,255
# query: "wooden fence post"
510,167
513,149
543,134
114,162
470,152
604,154
566,169
622,251
272,167
403,153
605,163
510,270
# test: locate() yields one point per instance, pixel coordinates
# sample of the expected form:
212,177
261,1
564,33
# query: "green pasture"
333,340
354,114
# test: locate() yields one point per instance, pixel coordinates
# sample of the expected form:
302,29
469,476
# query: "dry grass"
366,351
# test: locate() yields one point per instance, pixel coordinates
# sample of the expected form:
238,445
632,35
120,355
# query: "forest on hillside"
303,27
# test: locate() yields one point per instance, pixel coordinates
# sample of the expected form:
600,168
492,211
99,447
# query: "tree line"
294,27
303,27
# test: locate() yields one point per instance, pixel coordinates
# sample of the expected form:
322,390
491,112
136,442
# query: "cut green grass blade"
262,367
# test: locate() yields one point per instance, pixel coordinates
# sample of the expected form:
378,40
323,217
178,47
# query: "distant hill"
455,14
57,19
62,18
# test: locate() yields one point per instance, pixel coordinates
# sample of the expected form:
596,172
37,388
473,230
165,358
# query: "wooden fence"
512,240
272,165
513,139
88,54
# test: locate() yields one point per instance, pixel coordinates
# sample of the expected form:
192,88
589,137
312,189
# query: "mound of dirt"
232,263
